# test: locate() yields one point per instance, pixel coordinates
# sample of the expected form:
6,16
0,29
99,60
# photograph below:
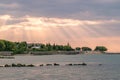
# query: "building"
34,45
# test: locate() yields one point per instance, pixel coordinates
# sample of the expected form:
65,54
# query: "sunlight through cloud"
60,30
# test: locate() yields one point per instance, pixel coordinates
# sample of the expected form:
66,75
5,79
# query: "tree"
100,48
2,45
23,45
42,46
68,47
86,49
20,48
9,46
49,47
78,48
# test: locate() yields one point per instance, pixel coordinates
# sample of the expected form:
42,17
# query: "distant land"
17,48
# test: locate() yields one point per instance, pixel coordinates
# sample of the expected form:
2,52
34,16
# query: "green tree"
86,49
54,46
100,48
2,45
78,48
68,47
23,45
20,48
9,46
42,46
48,47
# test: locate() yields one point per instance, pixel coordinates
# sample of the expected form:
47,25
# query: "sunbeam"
61,31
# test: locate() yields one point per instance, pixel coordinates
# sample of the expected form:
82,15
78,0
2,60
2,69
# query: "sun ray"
59,30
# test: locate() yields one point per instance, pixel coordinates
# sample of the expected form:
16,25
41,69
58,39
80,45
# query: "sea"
99,67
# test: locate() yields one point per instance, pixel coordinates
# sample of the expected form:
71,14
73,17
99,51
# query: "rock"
41,65
31,65
48,64
100,64
55,64
84,64
6,65
69,64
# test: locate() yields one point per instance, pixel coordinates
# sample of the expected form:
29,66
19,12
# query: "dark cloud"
78,9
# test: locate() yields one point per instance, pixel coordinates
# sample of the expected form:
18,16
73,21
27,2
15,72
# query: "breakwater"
41,65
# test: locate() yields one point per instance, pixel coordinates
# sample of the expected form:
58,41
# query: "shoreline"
40,53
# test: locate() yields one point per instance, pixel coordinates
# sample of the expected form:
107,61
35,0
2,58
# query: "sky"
78,22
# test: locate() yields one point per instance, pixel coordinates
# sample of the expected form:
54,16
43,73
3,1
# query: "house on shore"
6,53
34,45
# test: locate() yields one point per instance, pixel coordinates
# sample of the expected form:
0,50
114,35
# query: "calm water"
110,70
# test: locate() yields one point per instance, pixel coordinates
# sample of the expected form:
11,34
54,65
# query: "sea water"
109,70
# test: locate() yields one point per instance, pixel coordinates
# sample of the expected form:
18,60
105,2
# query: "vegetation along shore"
8,48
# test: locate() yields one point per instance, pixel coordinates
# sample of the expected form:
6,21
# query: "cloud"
61,30
5,17
11,5
73,9
106,1
79,22
31,22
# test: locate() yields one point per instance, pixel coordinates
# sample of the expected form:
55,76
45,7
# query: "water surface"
110,70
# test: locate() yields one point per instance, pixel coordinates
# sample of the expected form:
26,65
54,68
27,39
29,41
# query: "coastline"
39,53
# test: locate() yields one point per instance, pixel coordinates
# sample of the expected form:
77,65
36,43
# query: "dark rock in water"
6,65
1,66
55,64
76,64
48,64
20,65
13,65
100,64
69,64
31,65
79,64
84,64
41,65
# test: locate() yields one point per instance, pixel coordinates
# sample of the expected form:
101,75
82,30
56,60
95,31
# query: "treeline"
15,47
49,47
24,47
98,48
